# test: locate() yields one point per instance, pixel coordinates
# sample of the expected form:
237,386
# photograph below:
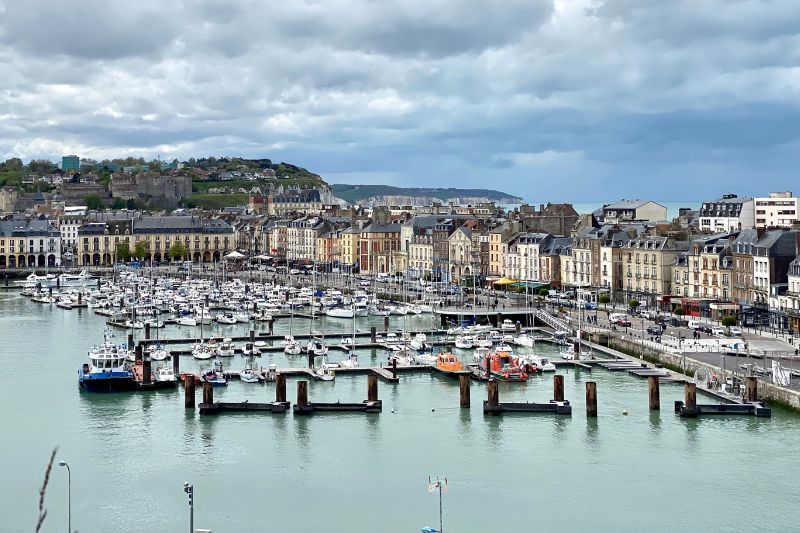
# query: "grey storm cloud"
679,99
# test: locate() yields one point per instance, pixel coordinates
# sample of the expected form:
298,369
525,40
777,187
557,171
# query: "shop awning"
529,284
505,281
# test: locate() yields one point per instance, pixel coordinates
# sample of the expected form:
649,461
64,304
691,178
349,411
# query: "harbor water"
130,453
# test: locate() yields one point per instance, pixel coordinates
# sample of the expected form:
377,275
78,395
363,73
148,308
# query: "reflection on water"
208,426
592,435
302,434
655,421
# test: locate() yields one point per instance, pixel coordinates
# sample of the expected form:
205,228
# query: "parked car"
655,330
736,331
364,283
624,322
718,331
614,318
648,315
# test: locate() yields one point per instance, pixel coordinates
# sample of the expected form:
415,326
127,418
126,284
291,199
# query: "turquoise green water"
131,453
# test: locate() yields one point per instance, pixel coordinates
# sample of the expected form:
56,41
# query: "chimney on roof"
797,243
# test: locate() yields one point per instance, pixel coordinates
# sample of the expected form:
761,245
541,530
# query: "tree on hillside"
15,163
93,201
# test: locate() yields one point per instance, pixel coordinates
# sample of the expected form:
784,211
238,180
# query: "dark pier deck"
322,407
752,409
242,407
560,408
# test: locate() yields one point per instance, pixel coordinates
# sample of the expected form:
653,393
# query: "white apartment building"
301,238
778,210
68,227
726,214
420,254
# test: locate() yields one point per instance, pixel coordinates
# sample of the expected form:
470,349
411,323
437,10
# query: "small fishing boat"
503,347
134,324
225,318
164,374
248,375
225,348
508,325
424,358
465,342
350,362
250,350
524,340
216,376
325,371
419,342
340,312
186,321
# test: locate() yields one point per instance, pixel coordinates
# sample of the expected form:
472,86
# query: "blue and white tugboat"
106,370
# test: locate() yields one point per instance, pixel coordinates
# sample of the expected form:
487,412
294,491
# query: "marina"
415,401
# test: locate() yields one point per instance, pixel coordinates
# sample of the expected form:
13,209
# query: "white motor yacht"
186,321
524,340
226,348
164,374
508,325
465,342
226,318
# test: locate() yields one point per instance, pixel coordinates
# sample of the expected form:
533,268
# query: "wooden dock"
753,409
242,407
323,407
558,405
559,408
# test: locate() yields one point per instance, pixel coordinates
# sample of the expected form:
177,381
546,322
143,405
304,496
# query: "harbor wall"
685,364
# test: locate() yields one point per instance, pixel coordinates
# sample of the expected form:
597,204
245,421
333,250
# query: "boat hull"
107,383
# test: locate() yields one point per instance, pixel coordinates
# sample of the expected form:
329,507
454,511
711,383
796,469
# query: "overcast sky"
553,100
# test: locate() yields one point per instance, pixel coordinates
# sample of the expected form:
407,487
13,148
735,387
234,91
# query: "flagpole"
441,528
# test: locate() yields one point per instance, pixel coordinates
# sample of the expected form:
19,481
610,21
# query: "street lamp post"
69,495
189,490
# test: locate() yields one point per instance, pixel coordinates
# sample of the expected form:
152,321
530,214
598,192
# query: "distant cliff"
387,195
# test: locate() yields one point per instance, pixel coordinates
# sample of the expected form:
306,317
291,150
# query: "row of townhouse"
29,242
203,239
